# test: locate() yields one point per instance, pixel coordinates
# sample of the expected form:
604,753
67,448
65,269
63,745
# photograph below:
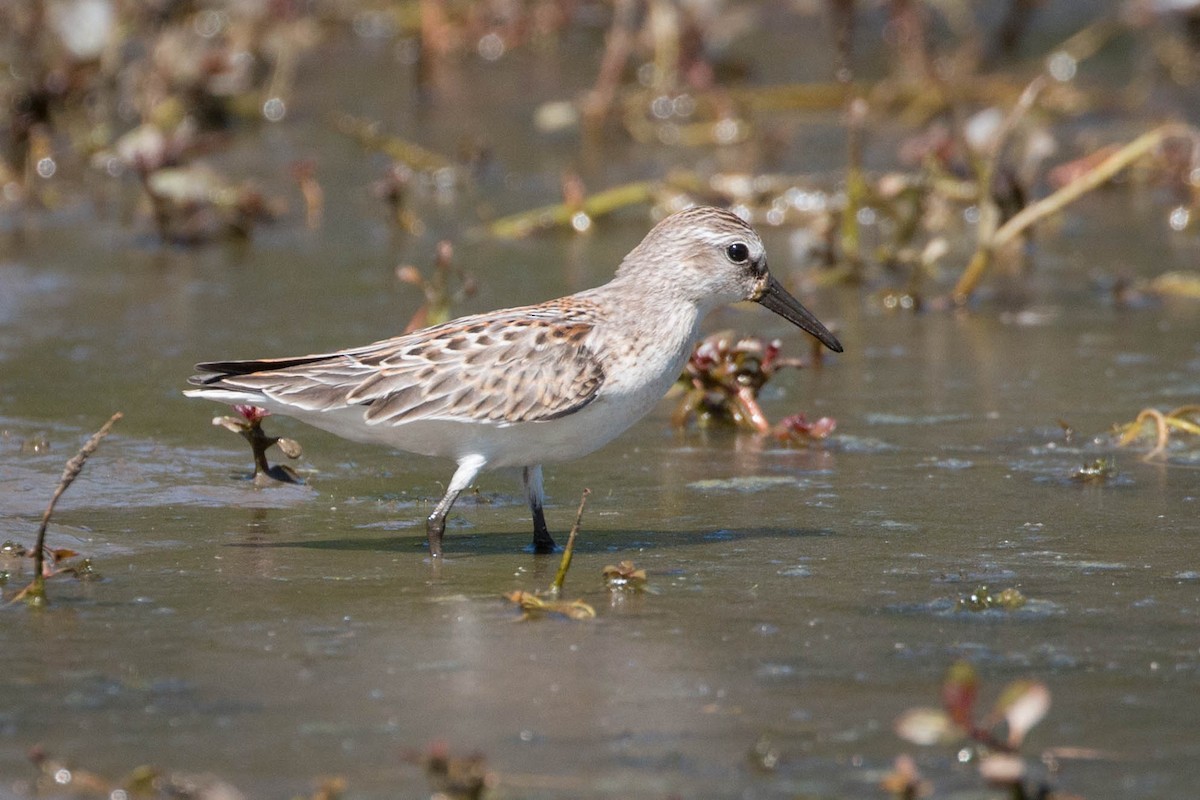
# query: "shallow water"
798,597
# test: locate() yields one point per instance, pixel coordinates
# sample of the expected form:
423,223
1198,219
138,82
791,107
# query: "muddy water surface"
799,598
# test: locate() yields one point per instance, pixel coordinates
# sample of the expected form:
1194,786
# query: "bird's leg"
435,526
542,541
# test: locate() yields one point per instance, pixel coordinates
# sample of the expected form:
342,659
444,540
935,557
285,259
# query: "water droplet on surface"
209,23
1180,216
727,131
490,46
274,109
46,167
1062,66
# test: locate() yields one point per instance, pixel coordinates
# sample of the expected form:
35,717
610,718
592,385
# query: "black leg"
543,542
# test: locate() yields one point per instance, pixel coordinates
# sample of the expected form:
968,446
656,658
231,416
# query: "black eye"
738,252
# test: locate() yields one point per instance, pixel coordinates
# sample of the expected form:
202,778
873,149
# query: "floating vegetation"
194,204
1152,422
765,754
57,777
1098,472
983,598
534,605
796,429
248,425
624,577
537,604
454,777
722,380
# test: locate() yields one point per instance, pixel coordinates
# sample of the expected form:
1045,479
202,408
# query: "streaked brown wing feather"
520,365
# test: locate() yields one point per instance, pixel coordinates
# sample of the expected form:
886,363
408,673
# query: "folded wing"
522,365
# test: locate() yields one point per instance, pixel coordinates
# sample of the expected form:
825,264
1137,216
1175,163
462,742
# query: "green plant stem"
569,550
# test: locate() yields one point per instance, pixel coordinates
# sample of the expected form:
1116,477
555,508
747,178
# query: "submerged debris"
904,782
248,424
144,781
195,204
1100,471
537,604
796,429
624,577
984,599
534,605
765,754
454,777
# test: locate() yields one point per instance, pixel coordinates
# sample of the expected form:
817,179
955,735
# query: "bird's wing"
519,365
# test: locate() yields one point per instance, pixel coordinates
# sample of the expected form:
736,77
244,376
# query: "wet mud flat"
800,596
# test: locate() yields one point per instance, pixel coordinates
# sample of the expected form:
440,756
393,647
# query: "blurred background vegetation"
911,146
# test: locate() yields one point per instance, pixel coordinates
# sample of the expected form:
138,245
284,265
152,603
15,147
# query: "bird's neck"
654,333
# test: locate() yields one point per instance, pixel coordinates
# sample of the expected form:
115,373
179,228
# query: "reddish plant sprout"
960,688
252,414
722,380
441,293
998,735
248,424
304,172
798,430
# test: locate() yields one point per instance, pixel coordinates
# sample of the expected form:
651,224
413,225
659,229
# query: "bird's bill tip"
777,299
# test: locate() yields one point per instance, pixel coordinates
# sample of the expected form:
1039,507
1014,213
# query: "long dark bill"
776,298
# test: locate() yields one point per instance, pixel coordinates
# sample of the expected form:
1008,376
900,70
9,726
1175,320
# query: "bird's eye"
738,252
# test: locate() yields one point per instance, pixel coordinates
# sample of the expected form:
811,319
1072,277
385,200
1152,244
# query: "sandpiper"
521,387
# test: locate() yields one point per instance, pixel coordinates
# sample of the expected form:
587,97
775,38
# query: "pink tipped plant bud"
1023,704
251,413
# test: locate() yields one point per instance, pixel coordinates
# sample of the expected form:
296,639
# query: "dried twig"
35,592
1036,212
564,215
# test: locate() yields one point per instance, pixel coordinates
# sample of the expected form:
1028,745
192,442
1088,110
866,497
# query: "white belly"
517,444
